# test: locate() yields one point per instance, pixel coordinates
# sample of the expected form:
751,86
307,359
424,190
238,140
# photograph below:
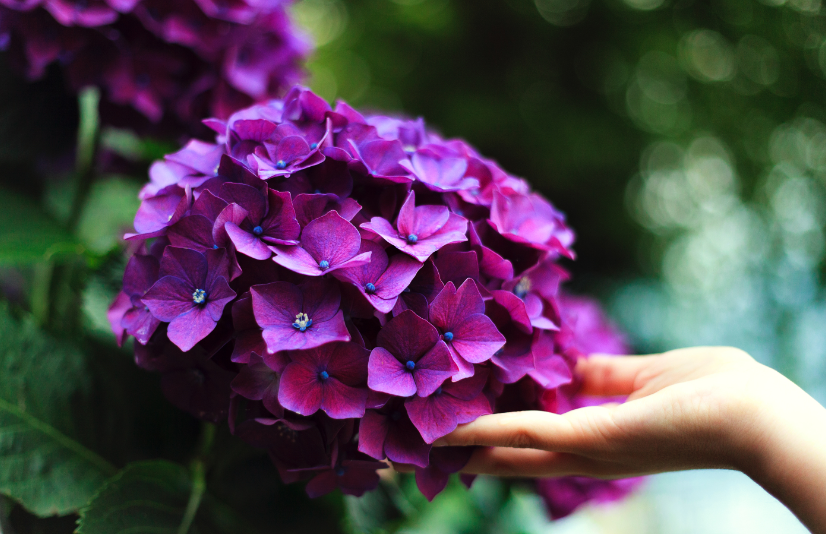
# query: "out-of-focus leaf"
109,211
156,496
28,234
43,465
145,497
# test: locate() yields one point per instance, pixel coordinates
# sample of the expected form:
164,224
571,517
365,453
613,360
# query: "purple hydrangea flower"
331,378
299,317
327,243
190,294
388,432
470,335
444,461
270,220
382,280
140,275
409,359
420,231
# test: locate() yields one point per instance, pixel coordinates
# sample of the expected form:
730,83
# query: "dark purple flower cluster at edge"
181,58
346,289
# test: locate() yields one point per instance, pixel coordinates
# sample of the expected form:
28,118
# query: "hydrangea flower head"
351,288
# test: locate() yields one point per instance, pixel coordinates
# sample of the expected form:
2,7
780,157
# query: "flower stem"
198,477
88,135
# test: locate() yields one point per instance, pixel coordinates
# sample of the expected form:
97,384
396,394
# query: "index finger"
605,376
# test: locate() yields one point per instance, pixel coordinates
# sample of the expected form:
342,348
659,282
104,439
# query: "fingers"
611,375
521,430
506,462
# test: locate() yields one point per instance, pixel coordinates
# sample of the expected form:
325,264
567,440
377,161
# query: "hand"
687,409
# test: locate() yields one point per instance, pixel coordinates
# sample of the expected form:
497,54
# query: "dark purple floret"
409,359
299,317
191,293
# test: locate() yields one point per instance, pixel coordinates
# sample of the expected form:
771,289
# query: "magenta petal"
373,429
189,328
297,260
466,369
341,401
404,444
246,243
186,264
194,231
431,481
247,197
300,390
476,338
407,336
348,363
321,298
276,303
434,416
169,298
219,294
139,323
433,369
331,238
452,306
389,375
397,277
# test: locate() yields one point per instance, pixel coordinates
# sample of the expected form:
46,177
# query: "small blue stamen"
281,164
302,322
313,146
438,391
448,336
215,247
370,287
257,231
340,471
324,264
199,296
410,365
412,238
324,375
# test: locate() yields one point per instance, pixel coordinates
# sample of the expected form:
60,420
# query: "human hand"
707,407
686,409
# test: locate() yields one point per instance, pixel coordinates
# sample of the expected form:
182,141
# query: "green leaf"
43,463
28,235
146,497
108,213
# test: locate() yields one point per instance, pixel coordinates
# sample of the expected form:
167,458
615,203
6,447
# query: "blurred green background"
685,139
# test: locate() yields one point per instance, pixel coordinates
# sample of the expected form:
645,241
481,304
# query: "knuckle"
522,437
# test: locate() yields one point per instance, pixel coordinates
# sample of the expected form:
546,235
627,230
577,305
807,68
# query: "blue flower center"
448,336
281,164
257,231
215,247
340,471
199,296
324,375
412,238
302,322
438,391
522,287
324,264
370,287
410,365
313,146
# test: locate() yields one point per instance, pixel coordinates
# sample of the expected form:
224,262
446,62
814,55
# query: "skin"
697,408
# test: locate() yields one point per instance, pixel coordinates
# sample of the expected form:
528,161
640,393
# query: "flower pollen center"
199,296
412,238
410,365
302,322
257,231
324,375
448,336
313,146
340,471
281,164
438,391
370,288
324,264
522,287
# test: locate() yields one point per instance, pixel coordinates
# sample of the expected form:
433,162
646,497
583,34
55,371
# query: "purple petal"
140,274
247,197
169,298
434,416
373,429
331,238
276,303
246,243
187,329
433,369
389,375
407,336
341,401
431,481
300,390
476,338
451,306
185,264
280,225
